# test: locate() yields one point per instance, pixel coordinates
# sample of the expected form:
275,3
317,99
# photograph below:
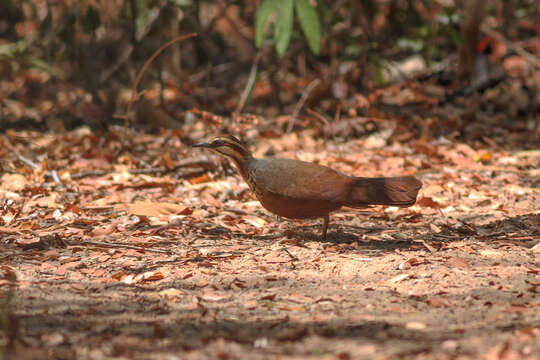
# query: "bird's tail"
396,191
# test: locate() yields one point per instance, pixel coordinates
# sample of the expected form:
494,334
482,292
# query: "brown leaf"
105,230
458,262
63,268
45,202
167,161
434,228
276,257
147,208
147,276
428,202
532,270
250,304
153,276
432,189
483,157
172,294
7,273
13,182
409,263
200,179
437,302
119,275
214,297
268,297
98,273
46,267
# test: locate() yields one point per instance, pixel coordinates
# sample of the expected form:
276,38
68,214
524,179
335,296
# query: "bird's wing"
299,179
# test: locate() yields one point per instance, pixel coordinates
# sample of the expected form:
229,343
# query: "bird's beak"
203,145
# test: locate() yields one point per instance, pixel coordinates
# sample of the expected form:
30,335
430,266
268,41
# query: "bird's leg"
325,226
288,230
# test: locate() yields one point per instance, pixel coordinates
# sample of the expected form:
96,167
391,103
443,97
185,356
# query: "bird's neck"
242,164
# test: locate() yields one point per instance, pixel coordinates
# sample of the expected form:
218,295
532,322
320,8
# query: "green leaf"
261,19
309,21
142,16
284,26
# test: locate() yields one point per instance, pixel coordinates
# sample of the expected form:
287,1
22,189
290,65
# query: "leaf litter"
132,263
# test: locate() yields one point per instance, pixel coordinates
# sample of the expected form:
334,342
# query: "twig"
305,94
53,174
84,174
235,211
200,75
125,246
249,84
122,58
202,162
160,170
196,163
294,258
337,118
531,58
143,70
319,117
27,161
429,247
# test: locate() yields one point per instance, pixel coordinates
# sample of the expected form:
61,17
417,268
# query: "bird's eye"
218,143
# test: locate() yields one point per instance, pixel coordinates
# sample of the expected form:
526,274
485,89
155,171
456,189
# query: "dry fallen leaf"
409,263
459,262
147,208
13,182
428,202
438,302
146,276
200,179
172,293
483,156
215,297
105,230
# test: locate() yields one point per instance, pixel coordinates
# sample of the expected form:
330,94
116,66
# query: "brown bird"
299,190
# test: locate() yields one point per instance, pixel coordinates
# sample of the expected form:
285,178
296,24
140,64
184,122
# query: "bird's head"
226,145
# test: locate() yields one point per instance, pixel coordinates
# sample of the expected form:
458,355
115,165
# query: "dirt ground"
104,263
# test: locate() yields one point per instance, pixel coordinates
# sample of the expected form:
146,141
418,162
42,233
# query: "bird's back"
296,179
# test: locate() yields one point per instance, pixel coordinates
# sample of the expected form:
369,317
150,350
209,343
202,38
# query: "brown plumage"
298,190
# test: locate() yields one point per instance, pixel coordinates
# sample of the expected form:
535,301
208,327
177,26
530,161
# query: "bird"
298,189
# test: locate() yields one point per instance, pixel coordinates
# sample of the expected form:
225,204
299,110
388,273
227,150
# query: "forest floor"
157,253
